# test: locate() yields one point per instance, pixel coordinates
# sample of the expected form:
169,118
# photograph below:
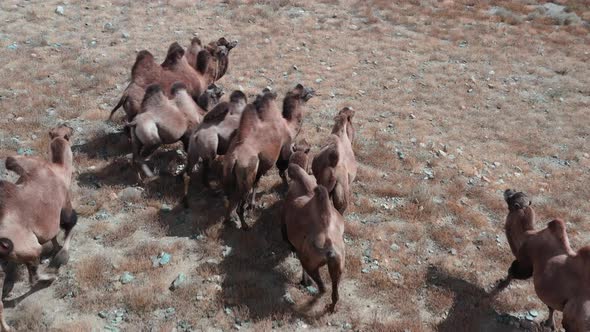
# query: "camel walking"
164,121
211,64
313,227
335,166
33,210
263,132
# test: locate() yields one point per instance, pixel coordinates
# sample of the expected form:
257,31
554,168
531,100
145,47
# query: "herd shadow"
472,308
104,147
253,279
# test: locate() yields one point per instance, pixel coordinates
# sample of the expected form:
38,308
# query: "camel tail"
119,104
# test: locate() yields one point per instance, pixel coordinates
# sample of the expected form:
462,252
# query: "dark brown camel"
561,276
211,64
262,134
164,121
313,227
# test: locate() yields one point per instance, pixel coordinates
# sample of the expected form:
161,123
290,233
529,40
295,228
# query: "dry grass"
482,102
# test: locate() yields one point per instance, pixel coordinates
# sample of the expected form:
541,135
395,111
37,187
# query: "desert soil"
455,101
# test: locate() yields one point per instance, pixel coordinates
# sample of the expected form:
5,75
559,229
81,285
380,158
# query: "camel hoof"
61,258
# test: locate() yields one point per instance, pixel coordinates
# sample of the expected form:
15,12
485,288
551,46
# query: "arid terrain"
455,101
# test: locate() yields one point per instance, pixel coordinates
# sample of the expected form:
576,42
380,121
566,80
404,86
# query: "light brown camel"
211,64
33,210
262,134
313,227
164,121
214,134
335,166
560,275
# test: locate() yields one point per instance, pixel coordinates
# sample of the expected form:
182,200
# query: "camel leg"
205,173
315,275
305,280
501,285
241,211
335,273
10,269
232,205
550,322
69,218
3,325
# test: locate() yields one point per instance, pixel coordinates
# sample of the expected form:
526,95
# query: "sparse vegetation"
455,101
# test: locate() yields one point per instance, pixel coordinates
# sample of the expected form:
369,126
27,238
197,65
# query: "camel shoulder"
7,191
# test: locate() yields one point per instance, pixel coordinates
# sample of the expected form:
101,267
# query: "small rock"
108,27
60,10
318,80
365,270
126,278
529,318
165,208
401,155
533,313
287,298
130,194
226,251
12,46
180,279
295,67
125,35
162,259
169,312
394,247
103,314
412,116
312,290
453,252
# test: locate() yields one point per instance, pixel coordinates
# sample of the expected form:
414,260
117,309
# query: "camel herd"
233,144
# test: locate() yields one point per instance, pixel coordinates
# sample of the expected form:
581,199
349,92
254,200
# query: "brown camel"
211,64
313,227
262,134
33,210
214,134
560,275
164,121
335,165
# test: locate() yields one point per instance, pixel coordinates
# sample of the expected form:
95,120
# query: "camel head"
213,60
211,97
265,99
516,200
239,99
64,131
293,104
300,155
343,121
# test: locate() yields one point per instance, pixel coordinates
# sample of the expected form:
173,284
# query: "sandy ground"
456,101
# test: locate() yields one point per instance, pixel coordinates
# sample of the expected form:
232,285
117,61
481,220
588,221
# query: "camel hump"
196,41
248,121
203,58
333,156
238,96
13,165
144,65
174,54
323,200
176,87
7,190
217,114
557,228
153,94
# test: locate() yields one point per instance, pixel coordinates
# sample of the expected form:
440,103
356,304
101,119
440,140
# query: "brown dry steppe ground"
455,101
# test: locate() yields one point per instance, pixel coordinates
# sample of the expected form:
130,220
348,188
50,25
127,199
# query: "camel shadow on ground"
472,308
